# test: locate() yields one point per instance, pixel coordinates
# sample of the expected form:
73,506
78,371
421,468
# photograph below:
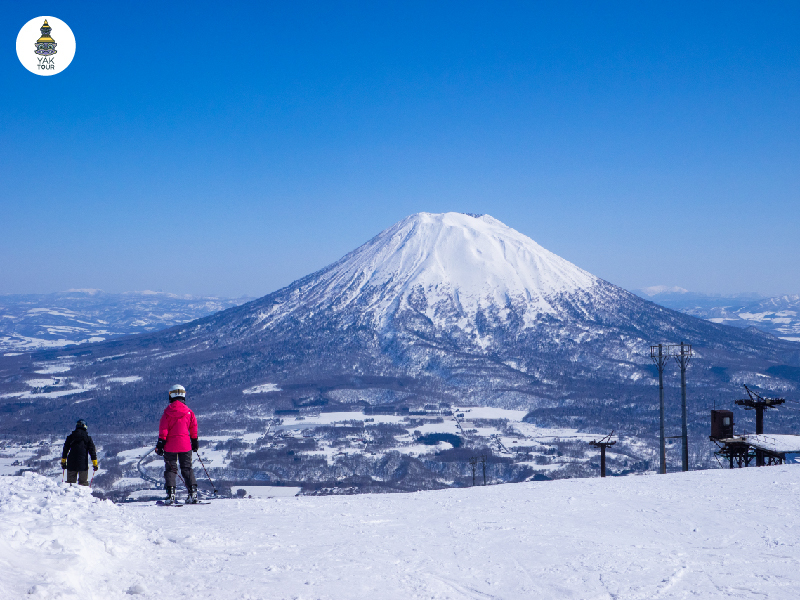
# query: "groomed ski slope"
708,534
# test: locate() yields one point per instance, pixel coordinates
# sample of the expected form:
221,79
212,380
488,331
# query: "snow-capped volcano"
441,307
476,261
449,267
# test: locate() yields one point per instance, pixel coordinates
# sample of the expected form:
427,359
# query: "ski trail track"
709,534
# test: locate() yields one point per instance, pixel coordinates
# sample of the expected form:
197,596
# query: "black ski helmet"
81,424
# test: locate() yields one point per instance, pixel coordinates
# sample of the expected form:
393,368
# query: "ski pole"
92,481
207,475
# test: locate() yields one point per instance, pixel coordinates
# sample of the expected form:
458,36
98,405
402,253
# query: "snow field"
264,388
705,534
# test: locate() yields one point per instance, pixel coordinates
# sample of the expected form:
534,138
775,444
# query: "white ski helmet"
177,391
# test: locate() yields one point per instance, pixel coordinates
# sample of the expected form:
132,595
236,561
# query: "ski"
191,503
162,503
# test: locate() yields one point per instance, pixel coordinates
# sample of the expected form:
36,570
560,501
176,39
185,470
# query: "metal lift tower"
660,359
682,353
759,404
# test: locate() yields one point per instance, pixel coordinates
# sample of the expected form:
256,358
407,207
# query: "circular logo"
45,45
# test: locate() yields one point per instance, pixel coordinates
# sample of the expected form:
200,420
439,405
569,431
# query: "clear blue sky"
230,148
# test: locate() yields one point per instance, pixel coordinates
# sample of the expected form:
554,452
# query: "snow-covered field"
338,437
706,534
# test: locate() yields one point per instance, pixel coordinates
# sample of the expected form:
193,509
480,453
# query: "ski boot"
192,498
170,495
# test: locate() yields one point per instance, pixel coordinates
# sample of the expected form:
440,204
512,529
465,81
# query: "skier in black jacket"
73,457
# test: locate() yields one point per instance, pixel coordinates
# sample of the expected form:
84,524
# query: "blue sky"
212,149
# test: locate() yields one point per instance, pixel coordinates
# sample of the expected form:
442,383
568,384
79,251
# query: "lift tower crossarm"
758,403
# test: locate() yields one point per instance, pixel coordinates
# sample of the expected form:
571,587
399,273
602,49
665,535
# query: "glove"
63,463
94,465
195,445
160,447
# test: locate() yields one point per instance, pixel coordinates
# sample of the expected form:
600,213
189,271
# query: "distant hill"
34,321
779,315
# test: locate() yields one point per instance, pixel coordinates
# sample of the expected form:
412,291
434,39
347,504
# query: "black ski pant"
79,477
171,460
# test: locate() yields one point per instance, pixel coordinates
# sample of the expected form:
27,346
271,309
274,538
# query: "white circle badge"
45,45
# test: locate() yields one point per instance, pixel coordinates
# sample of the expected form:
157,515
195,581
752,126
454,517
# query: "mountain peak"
447,266
475,255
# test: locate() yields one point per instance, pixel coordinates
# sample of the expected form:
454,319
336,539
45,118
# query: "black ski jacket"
76,447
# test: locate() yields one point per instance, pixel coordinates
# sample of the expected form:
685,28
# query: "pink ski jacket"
178,426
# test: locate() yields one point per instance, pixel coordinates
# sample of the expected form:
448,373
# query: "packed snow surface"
706,534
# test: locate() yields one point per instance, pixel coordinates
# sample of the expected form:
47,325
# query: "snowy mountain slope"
460,264
33,321
673,536
451,307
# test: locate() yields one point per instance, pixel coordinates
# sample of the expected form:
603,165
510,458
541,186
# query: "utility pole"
603,444
682,358
660,359
473,461
483,462
759,404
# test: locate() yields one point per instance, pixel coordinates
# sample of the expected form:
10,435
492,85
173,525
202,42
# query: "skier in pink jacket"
177,439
